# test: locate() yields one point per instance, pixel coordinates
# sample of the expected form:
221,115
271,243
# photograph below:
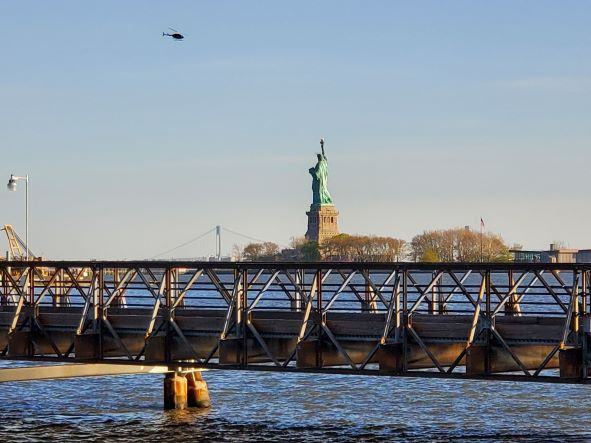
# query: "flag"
481,223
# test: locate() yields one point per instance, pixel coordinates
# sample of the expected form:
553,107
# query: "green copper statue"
319,173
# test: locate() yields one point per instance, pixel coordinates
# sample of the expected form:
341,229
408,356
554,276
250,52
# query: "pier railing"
527,321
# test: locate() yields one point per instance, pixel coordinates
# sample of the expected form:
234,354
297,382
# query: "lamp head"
11,184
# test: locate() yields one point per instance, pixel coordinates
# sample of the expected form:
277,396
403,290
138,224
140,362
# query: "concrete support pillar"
197,392
20,344
231,350
309,354
390,357
571,362
87,346
175,391
476,360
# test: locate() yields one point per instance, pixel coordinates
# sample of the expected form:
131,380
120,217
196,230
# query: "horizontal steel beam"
348,371
416,266
30,373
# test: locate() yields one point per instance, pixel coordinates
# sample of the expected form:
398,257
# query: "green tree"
266,251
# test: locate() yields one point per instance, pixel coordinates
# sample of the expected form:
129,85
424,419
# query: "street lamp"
12,188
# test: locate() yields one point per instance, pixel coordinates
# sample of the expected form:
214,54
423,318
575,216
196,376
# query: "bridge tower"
218,242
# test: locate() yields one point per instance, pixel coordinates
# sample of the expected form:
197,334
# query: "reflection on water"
266,406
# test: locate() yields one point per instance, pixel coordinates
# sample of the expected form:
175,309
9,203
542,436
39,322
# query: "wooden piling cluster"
185,390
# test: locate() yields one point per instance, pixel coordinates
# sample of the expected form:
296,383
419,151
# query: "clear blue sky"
435,114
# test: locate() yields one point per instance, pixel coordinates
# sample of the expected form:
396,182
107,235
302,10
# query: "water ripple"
296,407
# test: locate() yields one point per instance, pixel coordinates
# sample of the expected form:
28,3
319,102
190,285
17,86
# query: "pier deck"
522,321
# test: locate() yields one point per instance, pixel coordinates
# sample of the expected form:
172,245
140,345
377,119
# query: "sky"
435,114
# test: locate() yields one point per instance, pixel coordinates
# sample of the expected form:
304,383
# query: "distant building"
552,255
520,256
584,256
559,255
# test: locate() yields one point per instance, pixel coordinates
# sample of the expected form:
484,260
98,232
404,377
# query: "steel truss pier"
522,321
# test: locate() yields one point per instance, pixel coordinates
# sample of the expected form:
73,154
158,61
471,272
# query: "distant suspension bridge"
215,232
17,249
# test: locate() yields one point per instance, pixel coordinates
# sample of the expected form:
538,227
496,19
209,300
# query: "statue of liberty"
319,173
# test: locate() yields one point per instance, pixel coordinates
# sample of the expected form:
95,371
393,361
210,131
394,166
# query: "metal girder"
199,303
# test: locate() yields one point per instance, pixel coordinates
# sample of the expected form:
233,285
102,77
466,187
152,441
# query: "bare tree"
238,252
346,247
458,245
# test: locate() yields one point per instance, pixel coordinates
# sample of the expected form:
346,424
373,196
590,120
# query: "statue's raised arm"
322,147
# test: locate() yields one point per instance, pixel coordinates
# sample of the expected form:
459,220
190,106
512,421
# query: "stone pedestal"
322,223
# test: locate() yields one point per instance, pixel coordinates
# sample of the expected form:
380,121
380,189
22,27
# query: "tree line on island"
449,245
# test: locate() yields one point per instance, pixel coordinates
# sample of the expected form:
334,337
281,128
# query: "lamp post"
12,187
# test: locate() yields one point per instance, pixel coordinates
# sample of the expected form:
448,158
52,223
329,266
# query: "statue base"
322,223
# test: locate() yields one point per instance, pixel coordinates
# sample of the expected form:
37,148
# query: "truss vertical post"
509,308
31,288
576,308
296,300
489,323
174,275
319,315
584,291
369,303
99,311
405,320
115,301
32,307
397,313
431,297
584,334
168,341
441,305
57,287
240,310
243,295
3,286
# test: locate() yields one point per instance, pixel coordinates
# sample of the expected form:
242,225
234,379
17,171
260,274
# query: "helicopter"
175,34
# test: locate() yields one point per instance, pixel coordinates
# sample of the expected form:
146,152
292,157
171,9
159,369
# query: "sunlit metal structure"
500,321
16,245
